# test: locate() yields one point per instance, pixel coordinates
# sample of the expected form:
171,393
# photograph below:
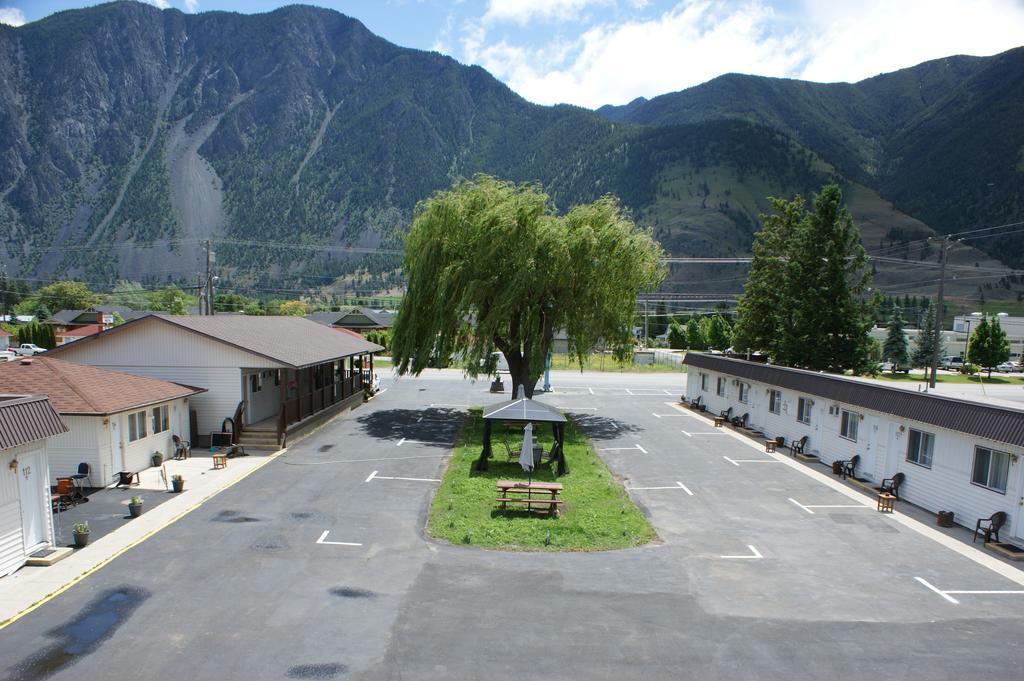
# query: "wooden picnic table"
540,495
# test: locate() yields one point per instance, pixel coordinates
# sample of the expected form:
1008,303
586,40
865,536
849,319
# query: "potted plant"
177,482
135,507
81,532
158,458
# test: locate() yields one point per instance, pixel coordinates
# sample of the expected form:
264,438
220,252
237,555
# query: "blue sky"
593,52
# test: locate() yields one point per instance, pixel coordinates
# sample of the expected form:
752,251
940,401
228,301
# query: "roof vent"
26,360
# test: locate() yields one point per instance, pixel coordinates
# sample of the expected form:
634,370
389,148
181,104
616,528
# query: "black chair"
798,446
726,413
84,473
695,403
892,485
182,448
989,527
740,421
850,466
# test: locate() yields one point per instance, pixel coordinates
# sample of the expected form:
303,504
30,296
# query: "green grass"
956,378
598,361
597,515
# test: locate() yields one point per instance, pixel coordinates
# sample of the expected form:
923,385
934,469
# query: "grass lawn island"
265,377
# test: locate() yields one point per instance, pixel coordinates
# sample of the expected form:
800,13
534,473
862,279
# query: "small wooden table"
517,491
770,445
885,502
220,459
719,420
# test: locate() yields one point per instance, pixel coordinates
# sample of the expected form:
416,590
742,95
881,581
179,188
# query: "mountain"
129,135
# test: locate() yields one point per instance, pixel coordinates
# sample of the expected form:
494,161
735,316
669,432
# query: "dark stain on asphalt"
83,635
349,592
316,671
270,544
233,517
325,448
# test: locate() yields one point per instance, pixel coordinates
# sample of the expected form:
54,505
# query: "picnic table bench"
517,491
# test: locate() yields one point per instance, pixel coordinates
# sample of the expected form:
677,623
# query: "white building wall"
84,442
882,446
12,546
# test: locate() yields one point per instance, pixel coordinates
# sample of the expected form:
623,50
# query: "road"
315,567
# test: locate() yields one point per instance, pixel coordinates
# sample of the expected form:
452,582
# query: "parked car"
952,363
8,355
29,349
1007,367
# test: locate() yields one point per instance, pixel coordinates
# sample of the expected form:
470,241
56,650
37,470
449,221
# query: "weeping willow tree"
490,266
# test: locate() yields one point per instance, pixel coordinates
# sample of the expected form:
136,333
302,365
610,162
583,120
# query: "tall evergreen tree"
676,336
719,335
988,345
895,348
927,340
695,339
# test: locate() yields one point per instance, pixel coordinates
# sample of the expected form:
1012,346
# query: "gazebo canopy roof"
523,409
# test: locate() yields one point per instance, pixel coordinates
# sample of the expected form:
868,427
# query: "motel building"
957,455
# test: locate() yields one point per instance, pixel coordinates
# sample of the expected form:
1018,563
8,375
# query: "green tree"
928,339
802,302
171,299
695,339
34,332
658,324
895,348
719,334
988,345
60,295
490,266
129,294
676,336
292,308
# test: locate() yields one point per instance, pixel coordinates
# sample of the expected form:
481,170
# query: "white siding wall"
946,486
86,440
12,545
138,454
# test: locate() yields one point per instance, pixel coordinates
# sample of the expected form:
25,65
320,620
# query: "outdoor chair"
182,448
726,413
849,467
695,403
66,494
989,527
740,421
798,446
892,485
84,473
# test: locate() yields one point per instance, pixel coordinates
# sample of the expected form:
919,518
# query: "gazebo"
525,410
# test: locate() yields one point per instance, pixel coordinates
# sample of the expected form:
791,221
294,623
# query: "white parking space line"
656,415
411,442
754,554
442,404
685,433
678,485
808,507
667,392
737,462
628,391
622,449
374,476
641,448
323,540
591,390
945,593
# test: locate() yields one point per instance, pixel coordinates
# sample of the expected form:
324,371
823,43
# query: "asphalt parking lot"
315,567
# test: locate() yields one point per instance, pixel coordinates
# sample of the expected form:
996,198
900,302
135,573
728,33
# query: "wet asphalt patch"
233,517
316,671
350,592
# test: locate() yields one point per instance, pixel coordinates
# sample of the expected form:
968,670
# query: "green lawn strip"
597,515
607,363
955,378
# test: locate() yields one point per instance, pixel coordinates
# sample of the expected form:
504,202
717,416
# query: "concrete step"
260,447
272,442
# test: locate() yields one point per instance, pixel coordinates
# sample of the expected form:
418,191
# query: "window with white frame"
991,469
775,401
744,392
720,389
136,426
803,410
255,383
704,382
160,420
920,446
849,426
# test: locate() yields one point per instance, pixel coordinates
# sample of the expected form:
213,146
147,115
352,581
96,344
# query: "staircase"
259,438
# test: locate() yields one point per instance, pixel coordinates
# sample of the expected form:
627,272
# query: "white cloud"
522,11
12,16
160,4
192,5
697,40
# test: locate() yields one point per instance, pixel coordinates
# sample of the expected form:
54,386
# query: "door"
30,490
1018,521
116,446
872,451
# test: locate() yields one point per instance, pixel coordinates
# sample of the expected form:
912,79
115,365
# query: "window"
704,382
744,391
775,401
991,469
720,390
255,383
920,448
136,426
160,421
850,425
803,410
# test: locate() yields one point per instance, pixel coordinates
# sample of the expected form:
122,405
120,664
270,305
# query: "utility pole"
645,323
943,251
211,258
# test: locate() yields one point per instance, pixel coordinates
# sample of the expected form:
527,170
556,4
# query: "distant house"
26,523
76,333
355,319
116,421
955,455
271,376
5,340
103,315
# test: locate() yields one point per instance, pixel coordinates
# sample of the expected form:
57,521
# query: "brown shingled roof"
27,418
78,389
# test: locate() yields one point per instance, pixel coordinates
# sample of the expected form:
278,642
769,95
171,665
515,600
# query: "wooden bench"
546,499
719,420
220,459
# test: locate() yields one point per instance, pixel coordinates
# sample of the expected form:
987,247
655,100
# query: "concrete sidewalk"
30,586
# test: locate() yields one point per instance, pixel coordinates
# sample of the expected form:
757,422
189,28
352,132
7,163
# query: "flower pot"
945,519
178,485
81,539
157,460
135,510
